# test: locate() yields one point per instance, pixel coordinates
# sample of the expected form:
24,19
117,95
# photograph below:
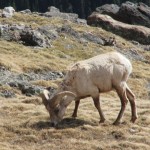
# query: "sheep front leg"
77,102
97,105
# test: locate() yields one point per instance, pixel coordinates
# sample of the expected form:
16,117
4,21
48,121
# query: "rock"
138,14
17,27
108,9
40,37
93,38
144,9
23,82
8,12
49,31
54,12
26,11
141,34
53,9
67,16
146,47
81,21
132,54
111,41
82,37
67,29
29,89
128,12
34,38
7,94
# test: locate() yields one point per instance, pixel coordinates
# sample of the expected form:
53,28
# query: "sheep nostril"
52,124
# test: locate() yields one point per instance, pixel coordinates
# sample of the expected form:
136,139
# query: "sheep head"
56,105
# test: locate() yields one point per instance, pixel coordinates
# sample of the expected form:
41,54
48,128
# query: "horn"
58,97
45,97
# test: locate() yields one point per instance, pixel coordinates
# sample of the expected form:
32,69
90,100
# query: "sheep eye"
56,110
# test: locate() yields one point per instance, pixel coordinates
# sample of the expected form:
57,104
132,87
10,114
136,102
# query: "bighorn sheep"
91,77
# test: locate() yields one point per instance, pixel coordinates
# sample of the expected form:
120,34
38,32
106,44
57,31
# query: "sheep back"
98,74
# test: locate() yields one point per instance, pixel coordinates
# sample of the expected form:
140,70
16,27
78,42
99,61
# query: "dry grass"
24,122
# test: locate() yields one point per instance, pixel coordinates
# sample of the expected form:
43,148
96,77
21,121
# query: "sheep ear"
45,97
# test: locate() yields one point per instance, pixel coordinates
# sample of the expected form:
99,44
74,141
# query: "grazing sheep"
89,78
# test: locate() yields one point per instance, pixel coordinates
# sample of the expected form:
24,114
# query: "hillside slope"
24,122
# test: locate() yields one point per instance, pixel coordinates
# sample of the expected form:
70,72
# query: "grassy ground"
25,125
24,122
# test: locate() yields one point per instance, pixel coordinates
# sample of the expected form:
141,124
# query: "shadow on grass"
65,123
41,125
73,123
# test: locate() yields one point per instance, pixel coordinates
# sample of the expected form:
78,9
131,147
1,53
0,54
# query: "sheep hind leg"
77,102
131,98
124,100
98,107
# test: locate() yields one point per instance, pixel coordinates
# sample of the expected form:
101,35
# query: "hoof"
102,121
133,119
74,116
116,123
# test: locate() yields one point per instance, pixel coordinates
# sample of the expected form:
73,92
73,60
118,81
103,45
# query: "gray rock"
128,12
93,38
7,94
81,37
132,54
81,21
49,31
109,9
138,14
29,89
40,37
54,12
22,81
26,11
68,30
8,12
53,9
34,38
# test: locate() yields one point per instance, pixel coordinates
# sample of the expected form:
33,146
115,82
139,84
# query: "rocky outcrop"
8,12
55,12
40,37
130,32
137,14
23,81
128,12
44,35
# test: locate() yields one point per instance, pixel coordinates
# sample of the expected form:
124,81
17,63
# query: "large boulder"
108,9
40,37
8,12
130,32
34,38
137,14
128,12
